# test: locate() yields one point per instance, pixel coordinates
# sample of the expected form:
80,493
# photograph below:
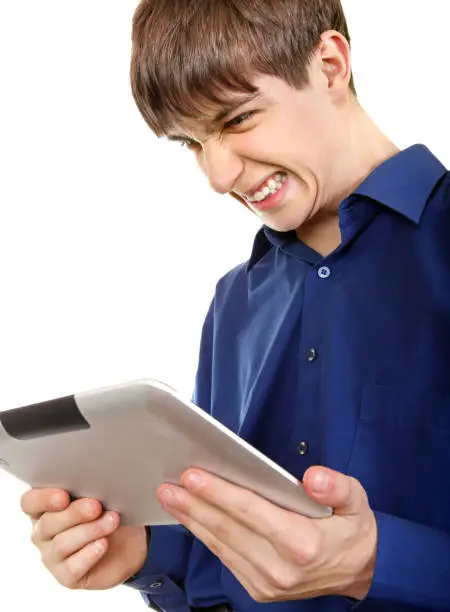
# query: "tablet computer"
118,444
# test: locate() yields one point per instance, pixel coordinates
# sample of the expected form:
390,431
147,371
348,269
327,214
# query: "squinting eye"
239,120
190,144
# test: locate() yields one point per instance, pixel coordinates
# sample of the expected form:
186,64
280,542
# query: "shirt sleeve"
161,580
413,564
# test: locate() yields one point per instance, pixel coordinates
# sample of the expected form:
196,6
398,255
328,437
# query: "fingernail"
194,479
57,500
89,509
109,521
320,482
167,496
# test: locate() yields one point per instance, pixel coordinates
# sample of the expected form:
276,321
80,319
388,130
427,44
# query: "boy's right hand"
80,544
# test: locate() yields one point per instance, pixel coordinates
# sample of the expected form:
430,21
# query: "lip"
272,200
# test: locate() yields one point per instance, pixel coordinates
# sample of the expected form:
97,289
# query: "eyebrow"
224,112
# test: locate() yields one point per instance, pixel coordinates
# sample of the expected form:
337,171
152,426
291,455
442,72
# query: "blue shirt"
342,361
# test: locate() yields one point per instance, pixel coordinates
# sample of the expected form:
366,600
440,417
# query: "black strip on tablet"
44,419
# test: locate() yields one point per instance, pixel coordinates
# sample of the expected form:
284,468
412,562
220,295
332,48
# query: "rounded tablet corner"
316,511
321,511
327,512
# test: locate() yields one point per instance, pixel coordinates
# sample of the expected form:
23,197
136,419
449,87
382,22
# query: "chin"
283,222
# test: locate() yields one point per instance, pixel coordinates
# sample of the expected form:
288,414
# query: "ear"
334,53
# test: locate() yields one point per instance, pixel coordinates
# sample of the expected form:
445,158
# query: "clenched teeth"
271,186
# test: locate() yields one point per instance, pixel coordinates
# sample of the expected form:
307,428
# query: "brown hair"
191,53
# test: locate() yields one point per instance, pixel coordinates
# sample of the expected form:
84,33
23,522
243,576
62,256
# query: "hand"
276,554
82,546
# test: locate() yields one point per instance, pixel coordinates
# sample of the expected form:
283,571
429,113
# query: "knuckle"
353,481
355,484
308,551
68,581
67,577
36,534
263,594
60,547
246,506
47,563
43,527
356,490
281,580
221,530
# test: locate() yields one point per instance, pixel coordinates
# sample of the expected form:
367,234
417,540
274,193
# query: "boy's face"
277,151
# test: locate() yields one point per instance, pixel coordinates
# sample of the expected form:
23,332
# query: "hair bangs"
191,56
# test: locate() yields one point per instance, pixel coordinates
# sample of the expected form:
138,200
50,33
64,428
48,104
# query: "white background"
111,242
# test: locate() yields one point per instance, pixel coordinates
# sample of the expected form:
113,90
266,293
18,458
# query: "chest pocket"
401,453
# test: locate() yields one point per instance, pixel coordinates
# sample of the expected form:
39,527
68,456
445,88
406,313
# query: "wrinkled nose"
221,165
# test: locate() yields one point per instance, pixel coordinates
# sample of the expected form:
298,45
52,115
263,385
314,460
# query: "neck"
366,147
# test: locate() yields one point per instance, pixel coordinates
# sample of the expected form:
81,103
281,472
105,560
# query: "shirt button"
324,272
312,355
158,584
302,448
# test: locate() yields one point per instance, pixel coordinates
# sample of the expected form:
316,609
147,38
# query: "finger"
67,543
53,523
253,511
74,571
240,567
221,532
37,501
343,493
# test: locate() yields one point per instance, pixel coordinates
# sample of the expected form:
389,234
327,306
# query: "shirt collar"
403,183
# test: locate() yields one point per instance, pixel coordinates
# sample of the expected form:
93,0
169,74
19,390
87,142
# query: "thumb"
342,493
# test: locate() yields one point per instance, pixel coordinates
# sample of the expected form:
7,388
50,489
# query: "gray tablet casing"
119,444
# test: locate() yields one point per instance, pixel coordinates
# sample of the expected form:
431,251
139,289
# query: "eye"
239,120
189,143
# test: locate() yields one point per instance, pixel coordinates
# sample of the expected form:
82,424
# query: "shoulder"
441,195
230,290
233,279
432,240
437,211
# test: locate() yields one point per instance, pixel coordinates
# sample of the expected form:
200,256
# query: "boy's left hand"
277,554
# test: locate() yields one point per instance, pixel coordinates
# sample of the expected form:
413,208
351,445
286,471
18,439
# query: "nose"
221,165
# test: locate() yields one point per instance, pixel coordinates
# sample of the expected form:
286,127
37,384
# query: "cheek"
258,145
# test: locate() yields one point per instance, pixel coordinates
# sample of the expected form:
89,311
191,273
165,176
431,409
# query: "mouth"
270,186
268,193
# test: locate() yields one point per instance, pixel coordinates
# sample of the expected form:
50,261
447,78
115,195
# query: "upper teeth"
272,185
